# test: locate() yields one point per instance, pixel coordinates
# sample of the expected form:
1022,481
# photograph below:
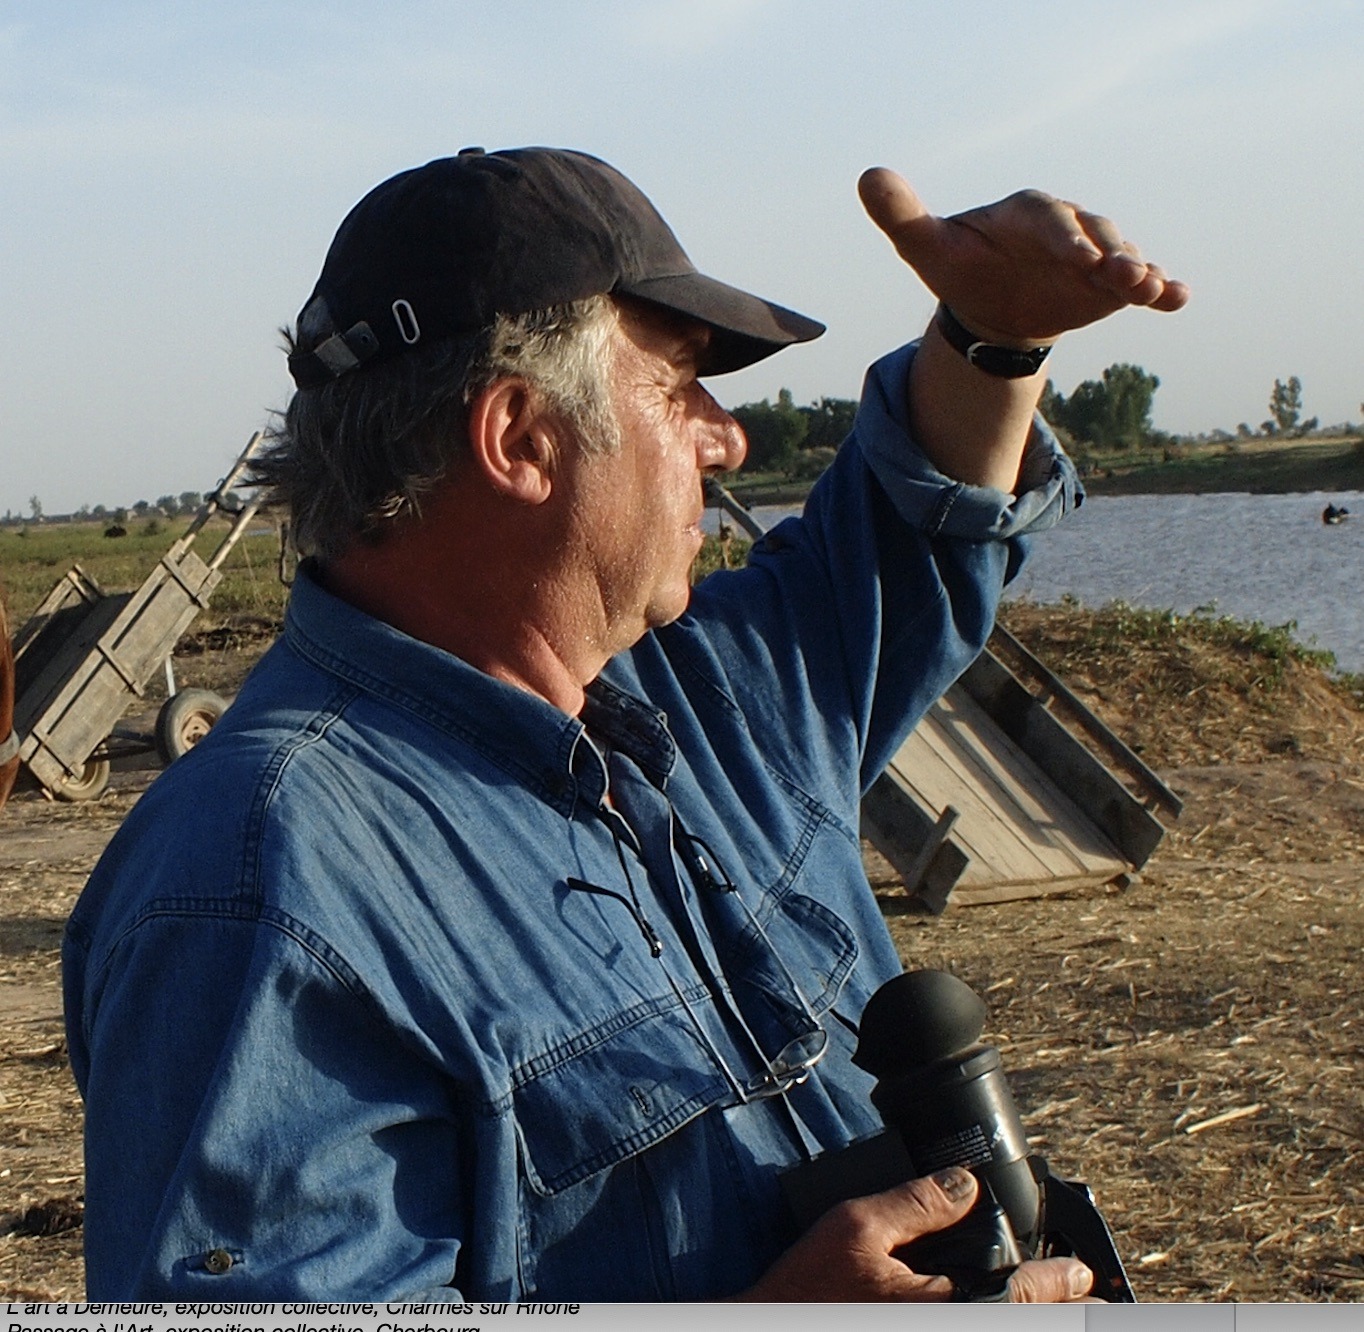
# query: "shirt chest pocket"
608,1095
605,1129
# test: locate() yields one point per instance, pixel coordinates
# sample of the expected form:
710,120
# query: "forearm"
972,426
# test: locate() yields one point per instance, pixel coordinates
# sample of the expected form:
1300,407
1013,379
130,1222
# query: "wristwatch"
1002,362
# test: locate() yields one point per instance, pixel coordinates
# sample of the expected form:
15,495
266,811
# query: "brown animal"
9,742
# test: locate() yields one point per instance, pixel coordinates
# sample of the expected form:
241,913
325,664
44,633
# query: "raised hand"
1022,271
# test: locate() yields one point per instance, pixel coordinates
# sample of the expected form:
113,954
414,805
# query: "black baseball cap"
440,250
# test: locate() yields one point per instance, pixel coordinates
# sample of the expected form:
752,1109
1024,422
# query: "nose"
722,445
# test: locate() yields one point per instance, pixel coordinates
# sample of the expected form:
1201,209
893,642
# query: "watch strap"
1002,362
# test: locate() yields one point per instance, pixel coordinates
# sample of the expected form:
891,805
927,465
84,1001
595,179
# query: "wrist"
992,352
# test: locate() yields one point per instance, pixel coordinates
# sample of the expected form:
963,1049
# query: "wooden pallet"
995,797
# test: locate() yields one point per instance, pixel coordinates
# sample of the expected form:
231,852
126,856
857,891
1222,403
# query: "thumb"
922,1206
891,203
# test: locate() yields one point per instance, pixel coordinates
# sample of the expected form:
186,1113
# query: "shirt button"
217,1261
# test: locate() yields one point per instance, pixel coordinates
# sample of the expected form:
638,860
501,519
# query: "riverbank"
1250,466
1256,466
1189,1044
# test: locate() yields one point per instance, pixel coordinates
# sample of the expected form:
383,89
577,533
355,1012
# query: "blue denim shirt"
376,995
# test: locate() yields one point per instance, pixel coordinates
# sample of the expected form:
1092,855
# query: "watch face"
1006,362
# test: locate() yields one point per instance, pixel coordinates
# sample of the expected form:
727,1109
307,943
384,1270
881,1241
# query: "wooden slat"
1124,820
1021,836
1058,692
1015,825
937,778
1047,819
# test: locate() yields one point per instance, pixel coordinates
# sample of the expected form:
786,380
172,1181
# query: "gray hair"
351,457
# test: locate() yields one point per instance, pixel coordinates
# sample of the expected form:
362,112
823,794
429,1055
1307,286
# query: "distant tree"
168,505
1244,430
1112,412
829,420
100,512
141,507
1308,426
1285,403
775,432
35,507
190,500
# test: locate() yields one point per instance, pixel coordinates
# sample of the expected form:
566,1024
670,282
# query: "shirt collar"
527,736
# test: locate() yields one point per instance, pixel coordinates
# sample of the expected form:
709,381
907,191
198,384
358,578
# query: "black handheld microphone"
944,1099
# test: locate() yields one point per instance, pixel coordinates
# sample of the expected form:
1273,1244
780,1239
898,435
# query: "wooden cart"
85,655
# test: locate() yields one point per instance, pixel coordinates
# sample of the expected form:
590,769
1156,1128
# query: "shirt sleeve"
923,497
851,620
267,1136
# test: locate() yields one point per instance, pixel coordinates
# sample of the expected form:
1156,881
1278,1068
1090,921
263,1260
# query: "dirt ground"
1190,1045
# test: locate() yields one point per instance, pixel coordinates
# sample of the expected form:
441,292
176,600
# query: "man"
508,937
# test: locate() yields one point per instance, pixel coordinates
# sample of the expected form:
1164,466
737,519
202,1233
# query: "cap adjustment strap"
333,357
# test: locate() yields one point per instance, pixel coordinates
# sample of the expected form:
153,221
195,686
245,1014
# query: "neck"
477,581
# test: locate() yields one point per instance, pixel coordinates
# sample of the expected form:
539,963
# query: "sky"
171,173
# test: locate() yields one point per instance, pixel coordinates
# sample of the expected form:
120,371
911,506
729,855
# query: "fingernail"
954,1181
1081,1279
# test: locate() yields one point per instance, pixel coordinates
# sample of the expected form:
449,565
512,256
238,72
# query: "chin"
666,610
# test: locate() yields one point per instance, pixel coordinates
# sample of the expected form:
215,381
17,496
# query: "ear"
514,441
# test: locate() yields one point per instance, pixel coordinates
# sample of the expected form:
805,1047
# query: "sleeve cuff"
1049,487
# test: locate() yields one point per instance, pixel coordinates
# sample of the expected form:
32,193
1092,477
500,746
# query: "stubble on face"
637,511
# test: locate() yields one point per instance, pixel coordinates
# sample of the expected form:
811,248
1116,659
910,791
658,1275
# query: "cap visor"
747,328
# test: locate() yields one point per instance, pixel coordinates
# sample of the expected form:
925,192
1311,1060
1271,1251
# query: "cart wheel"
184,720
89,785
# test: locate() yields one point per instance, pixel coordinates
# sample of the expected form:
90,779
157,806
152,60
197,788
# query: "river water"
1256,557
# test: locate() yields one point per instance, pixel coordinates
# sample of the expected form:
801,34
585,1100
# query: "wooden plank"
1059,692
1045,817
1015,826
894,823
1124,820
937,777
965,894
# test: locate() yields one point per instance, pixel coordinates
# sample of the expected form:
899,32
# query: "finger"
1065,236
892,204
1102,231
1136,283
922,1206
883,1222
1174,297
1050,1281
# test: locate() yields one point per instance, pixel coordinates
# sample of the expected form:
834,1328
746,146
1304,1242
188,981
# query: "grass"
1257,466
34,558
1119,626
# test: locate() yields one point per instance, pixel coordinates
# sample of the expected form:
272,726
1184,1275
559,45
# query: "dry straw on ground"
1190,1045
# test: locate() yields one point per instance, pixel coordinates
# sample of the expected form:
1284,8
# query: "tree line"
1108,414
1112,413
